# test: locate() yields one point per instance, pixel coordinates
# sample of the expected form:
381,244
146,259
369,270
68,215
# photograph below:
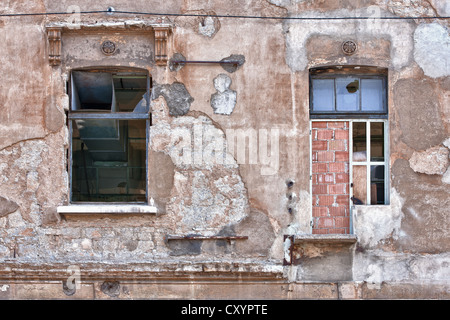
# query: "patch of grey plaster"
298,32
177,97
377,266
111,288
447,143
410,8
69,291
185,247
207,205
224,100
193,143
375,224
207,27
431,161
176,66
237,59
208,193
446,176
283,3
442,7
300,214
432,49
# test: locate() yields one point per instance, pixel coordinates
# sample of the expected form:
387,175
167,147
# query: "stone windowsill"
107,209
325,238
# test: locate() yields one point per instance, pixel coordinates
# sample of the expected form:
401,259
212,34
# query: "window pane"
347,91
130,93
376,141
323,95
372,95
92,91
109,92
359,141
377,185
359,185
109,160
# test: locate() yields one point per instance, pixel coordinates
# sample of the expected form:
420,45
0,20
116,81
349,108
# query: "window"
108,122
349,144
337,94
369,162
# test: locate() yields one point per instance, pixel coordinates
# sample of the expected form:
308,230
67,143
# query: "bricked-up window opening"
349,145
109,121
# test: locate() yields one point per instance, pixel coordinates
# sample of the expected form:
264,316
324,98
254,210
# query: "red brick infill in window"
330,177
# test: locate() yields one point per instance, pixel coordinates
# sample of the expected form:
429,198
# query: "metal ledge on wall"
107,209
200,237
315,239
325,238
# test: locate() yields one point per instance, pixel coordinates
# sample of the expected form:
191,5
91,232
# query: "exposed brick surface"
330,177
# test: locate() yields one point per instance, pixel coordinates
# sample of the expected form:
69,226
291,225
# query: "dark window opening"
109,123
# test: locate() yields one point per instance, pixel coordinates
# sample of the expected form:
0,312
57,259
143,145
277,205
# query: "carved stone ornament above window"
161,37
108,47
349,47
140,43
54,45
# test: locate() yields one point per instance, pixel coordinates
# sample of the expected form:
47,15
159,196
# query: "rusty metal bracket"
199,237
182,62
288,249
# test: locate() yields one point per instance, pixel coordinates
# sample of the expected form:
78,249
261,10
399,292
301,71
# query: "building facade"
215,150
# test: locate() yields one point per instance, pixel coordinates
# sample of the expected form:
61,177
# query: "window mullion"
368,195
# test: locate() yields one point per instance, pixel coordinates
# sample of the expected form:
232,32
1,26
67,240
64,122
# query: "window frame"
88,115
368,163
359,72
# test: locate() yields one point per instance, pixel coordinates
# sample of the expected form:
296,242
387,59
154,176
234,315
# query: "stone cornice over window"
159,32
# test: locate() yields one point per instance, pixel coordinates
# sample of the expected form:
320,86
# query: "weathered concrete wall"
198,184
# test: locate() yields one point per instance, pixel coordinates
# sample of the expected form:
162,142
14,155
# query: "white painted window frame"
386,163
369,163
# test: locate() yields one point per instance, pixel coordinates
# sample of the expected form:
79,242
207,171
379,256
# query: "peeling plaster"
375,224
380,266
432,49
224,100
431,161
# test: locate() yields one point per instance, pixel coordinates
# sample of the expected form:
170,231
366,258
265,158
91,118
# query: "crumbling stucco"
376,224
224,100
176,66
178,98
237,59
434,160
432,49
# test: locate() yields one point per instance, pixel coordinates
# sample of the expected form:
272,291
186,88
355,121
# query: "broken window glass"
109,92
109,124
337,95
347,94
